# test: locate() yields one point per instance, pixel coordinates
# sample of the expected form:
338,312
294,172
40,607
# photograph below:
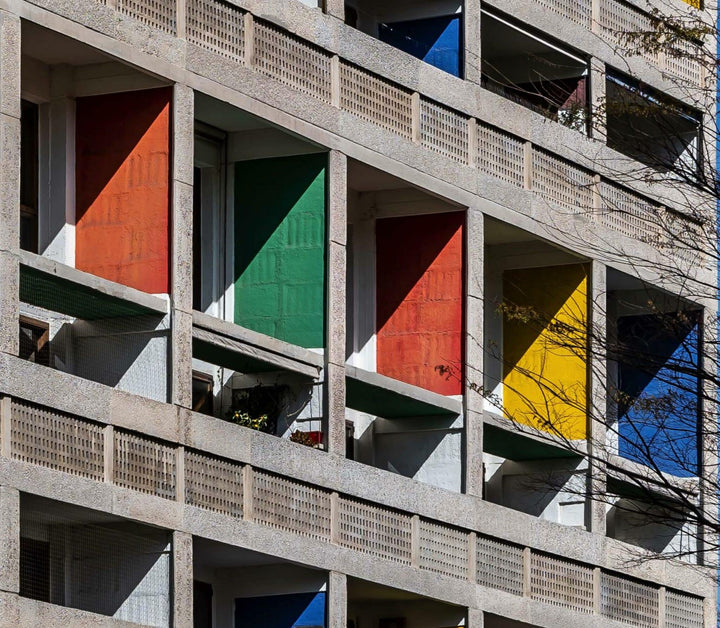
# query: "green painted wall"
280,247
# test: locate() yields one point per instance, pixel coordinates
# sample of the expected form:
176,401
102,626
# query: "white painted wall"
128,353
641,524
552,490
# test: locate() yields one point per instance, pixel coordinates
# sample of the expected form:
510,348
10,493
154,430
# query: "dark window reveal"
29,177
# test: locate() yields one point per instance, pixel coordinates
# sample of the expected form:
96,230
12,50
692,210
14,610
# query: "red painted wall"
122,158
420,299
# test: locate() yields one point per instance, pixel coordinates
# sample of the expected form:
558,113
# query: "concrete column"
182,552
473,450
337,600
56,196
9,179
475,618
9,539
708,456
472,20
335,334
597,99
182,241
336,8
598,389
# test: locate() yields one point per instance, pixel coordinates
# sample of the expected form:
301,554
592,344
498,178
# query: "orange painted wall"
420,299
122,159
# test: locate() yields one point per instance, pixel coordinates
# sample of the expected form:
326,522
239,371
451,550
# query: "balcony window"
534,71
29,177
431,31
435,40
652,128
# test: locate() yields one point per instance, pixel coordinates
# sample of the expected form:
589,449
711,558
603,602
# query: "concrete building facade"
258,361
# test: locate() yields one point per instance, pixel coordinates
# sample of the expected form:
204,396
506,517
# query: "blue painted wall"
294,610
658,382
436,40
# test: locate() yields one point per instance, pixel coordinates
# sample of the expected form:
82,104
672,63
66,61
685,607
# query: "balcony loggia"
94,215
431,31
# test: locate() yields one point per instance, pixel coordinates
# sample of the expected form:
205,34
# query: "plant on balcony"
304,438
243,419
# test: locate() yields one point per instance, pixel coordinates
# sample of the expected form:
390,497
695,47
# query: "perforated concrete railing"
375,530
561,582
443,130
217,27
683,611
57,440
213,484
560,181
616,19
160,14
443,549
627,601
292,61
376,100
579,11
621,211
144,465
33,434
288,505
235,34
500,565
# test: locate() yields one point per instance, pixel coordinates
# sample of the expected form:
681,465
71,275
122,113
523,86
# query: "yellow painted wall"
544,348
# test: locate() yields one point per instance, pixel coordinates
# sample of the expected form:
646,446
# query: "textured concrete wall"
280,247
122,187
544,358
420,300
